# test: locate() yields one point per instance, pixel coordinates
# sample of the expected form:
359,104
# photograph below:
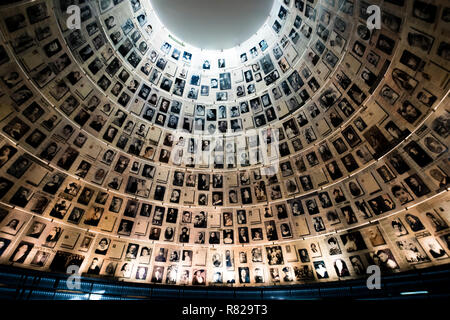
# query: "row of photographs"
219,199
395,244
196,78
27,183
359,47
414,151
291,129
240,226
424,162
112,130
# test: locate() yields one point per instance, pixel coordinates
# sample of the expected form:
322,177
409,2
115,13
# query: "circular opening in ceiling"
213,25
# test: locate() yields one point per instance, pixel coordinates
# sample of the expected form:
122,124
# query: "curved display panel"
315,148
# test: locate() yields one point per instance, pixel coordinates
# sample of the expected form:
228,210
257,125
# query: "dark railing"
23,284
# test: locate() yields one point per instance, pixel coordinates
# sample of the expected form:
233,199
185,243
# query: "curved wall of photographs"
314,149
